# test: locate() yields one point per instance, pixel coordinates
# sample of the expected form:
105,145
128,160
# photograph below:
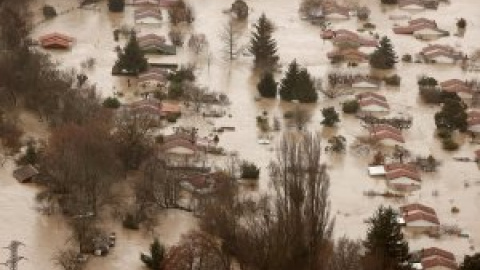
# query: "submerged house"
372,103
348,39
154,109
403,177
420,218
437,53
421,28
348,55
56,41
463,89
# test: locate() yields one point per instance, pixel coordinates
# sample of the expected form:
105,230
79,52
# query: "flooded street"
299,40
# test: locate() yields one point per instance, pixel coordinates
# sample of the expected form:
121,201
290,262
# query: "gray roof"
25,173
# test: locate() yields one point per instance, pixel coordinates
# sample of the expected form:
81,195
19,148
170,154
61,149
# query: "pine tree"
452,116
385,245
289,82
154,261
330,117
267,87
305,91
471,262
263,46
384,56
132,58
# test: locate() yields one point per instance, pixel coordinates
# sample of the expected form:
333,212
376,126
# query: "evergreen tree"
330,117
289,82
452,116
155,260
132,58
116,5
385,246
267,87
384,56
471,262
305,91
263,46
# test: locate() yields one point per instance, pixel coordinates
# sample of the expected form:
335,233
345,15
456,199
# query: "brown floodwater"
297,39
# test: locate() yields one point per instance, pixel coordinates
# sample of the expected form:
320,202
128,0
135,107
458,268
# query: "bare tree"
67,260
198,43
199,251
346,255
229,37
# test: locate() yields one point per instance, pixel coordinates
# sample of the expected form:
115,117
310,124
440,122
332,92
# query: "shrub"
369,25
30,156
461,23
430,95
288,114
249,170
350,106
131,222
427,81
111,103
407,58
393,80
172,118
49,12
175,90
449,144
116,5
330,117
455,210
116,34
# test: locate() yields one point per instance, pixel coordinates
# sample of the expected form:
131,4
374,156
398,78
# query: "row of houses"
418,4
347,45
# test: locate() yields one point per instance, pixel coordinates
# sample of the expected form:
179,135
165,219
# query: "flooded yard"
454,184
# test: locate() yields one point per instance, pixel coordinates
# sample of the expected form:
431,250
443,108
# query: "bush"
449,144
407,58
249,170
427,81
455,210
461,23
369,25
30,156
131,222
172,118
430,95
330,117
393,80
116,5
288,114
111,103
350,106
49,12
175,90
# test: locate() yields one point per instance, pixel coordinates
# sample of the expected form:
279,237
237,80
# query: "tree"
471,262
289,82
461,23
131,59
111,103
199,251
197,43
67,260
330,117
179,12
452,116
229,37
346,255
132,138
384,56
240,9
385,245
337,144
306,92
156,257
262,45
116,5
267,87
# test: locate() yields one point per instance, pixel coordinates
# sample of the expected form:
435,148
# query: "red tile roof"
55,40
385,134
435,262
394,174
366,95
417,207
437,252
405,166
416,216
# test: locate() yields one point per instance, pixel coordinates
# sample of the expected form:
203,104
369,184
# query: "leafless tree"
198,43
199,251
132,137
229,37
67,260
195,95
346,255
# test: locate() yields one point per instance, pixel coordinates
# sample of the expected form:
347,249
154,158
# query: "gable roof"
367,95
435,262
404,166
25,173
417,207
420,216
365,102
55,40
394,174
385,134
437,252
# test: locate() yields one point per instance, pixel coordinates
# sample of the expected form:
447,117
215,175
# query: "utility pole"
14,258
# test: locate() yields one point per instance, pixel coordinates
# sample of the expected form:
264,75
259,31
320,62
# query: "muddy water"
296,40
